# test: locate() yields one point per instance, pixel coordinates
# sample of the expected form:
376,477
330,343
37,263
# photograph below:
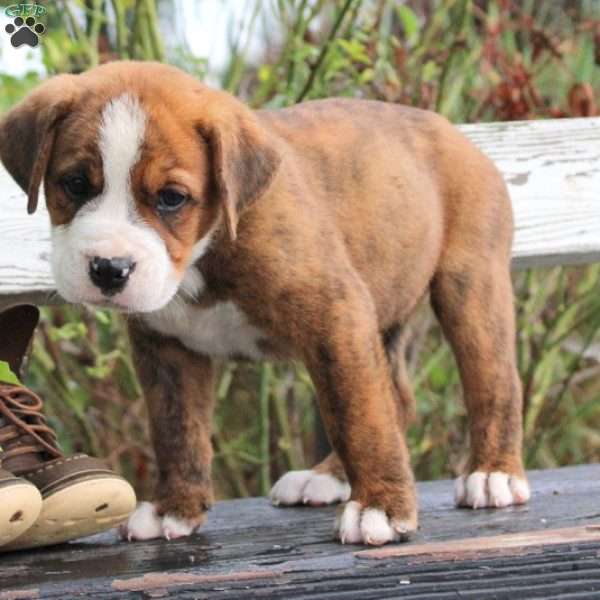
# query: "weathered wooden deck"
249,549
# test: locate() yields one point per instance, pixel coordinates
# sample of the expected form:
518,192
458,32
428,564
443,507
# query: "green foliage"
14,89
6,375
79,33
472,61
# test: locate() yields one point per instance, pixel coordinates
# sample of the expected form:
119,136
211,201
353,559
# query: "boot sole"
78,510
20,506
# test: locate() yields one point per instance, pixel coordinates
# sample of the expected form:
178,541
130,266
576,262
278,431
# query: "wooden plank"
24,246
552,169
510,543
153,581
249,548
551,573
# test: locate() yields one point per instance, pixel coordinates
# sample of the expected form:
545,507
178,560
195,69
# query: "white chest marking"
220,330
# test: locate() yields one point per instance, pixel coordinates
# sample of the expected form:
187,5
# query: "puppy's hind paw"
309,487
497,489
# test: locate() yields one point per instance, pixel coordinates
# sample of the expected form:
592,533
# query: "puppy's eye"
170,200
76,187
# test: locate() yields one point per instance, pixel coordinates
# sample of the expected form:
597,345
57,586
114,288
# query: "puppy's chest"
220,330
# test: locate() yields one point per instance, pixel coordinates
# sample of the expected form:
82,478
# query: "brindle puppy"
310,232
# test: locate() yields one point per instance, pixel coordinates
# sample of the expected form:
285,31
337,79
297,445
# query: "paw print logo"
24,32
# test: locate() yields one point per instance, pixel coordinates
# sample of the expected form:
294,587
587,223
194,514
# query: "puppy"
310,233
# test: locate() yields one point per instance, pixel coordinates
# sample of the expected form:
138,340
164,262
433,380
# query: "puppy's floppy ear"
243,161
27,133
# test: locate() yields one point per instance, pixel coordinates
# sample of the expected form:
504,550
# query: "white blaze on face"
109,226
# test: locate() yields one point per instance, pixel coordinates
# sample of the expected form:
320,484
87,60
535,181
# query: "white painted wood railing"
552,169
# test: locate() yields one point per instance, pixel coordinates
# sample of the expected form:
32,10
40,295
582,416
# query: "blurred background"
471,60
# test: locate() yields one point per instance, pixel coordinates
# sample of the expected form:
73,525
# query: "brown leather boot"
80,494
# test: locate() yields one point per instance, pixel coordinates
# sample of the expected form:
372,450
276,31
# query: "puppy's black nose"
110,274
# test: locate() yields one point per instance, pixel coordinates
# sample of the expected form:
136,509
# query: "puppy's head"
142,166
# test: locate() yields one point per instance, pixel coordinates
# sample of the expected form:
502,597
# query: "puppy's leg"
326,483
347,363
475,308
178,387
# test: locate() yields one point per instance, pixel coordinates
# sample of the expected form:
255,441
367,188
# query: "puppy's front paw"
309,487
146,524
490,490
358,525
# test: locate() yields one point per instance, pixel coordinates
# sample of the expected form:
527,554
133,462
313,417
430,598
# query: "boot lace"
23,428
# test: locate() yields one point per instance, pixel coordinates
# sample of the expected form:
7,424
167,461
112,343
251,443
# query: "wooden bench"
249,549
552,169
